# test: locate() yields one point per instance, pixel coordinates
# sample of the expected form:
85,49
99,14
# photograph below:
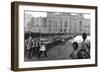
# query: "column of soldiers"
35,47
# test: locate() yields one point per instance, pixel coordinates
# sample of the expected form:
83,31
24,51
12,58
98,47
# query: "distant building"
58,22
37,25
67,23
27,21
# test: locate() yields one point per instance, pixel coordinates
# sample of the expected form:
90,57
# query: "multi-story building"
27,21
67,23
58,22
37,25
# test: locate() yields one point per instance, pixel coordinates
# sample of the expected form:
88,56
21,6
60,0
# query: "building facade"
27,20
58,22
37,25
67,23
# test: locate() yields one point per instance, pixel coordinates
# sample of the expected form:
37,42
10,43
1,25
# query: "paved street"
58,52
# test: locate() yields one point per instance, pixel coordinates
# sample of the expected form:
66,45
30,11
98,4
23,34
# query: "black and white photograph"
56,36
52,36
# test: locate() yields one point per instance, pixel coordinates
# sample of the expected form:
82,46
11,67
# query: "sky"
37,14
44,14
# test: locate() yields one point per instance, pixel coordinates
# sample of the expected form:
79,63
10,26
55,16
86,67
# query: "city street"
58,52
58,30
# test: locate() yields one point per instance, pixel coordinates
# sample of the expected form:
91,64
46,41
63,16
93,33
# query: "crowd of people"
35,47
82,52
38,48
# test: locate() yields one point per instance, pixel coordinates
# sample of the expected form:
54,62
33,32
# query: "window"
50,27
44,22
37,25
66,24
65,30
55,25
80,30
60,30
80,24
50,21
61,24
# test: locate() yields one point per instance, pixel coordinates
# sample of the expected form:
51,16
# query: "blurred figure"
74,55
37,44
84,51
29,46
42,50
33,47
